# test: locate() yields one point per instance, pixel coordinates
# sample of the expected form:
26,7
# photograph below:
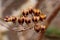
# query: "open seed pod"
21,20
13,19
31,11
37,28
7,19
25,12
43,27
36,12
27,20
42,17
35,19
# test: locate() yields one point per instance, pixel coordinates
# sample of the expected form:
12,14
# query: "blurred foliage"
53,31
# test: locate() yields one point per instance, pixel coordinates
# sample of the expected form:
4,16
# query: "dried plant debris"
37,16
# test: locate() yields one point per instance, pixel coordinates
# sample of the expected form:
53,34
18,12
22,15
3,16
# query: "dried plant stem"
49,20
53,14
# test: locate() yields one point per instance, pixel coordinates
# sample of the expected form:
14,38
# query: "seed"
7,19
42,17
25,12
35,19
43,27
30,11
36,12
14,19
37,28
21,20
27,20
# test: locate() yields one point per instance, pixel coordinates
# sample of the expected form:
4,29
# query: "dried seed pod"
21,20
13,19
27,20
35,19
36,12
42,17
37,28
31,11
43,27
25,12
7,19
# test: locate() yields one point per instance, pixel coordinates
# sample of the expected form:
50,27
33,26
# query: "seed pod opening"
30,11
37,28
21,20
7,19
35,19
27,20
14,19
25,12
36,12
42,17
43,27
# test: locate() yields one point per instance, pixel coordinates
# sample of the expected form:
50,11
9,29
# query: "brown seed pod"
35,19
36,12
42,17
43,27
25,12
13,19
37,28
7,19
27,20
31,11
21,20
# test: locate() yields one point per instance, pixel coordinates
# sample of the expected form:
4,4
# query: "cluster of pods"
37,16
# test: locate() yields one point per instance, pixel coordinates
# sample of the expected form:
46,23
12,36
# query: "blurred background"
15,7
